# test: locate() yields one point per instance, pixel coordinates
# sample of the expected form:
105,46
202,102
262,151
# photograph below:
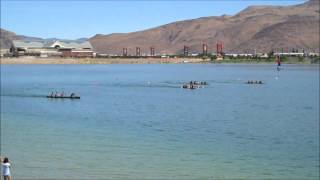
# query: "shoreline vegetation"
38,60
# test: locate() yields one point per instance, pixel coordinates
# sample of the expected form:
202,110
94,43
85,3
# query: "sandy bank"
36,60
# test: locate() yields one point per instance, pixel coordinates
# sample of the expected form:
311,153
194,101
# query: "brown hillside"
257,27
6,38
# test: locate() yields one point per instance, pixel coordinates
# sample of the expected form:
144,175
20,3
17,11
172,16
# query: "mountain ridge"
255,28
240,33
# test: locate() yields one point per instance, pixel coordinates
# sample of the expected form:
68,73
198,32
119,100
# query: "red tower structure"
151,51
204,49
137,51
124,52
219,52
219,48
185,50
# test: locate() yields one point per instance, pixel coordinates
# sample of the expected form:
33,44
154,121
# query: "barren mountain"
6,38
257,27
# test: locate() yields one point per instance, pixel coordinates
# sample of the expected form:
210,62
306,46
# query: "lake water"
134,122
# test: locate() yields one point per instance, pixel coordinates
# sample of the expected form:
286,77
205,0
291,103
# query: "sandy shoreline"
34,60
38,60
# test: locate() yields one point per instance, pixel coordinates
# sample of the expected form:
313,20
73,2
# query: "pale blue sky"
77,19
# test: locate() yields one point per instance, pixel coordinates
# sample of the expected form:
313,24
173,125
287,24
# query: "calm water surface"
134,121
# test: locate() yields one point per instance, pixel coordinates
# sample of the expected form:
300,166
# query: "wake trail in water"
148,84
24,95
168,84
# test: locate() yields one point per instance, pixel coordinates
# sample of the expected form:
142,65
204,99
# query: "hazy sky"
76,19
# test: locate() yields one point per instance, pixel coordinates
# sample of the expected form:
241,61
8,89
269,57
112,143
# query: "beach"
150,60
38,60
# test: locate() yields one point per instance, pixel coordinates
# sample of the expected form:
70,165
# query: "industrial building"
52,48
74,49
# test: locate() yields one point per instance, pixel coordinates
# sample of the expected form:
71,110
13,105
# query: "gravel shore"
36,60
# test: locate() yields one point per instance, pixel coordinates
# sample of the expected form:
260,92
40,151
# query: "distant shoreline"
34,60
37,60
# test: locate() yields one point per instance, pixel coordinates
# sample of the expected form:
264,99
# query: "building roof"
27,44
52,44
72,45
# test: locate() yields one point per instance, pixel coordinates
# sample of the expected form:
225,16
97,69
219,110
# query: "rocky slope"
259,28
256,28
6,38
